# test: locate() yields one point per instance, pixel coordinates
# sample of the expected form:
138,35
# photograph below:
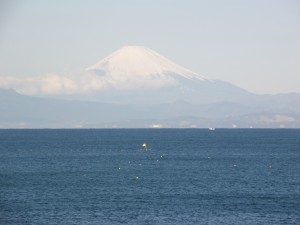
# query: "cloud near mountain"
47,84
129,68
83,83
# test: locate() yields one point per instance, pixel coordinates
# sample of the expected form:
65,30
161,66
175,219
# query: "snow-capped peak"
138,62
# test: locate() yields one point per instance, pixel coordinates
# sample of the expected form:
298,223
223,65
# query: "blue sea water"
190,176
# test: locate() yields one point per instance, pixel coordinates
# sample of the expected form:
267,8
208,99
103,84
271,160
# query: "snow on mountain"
138,66
138,74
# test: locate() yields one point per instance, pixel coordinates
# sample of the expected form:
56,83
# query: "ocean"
186,176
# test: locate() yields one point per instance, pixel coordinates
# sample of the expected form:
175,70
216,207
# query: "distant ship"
211,128
144,147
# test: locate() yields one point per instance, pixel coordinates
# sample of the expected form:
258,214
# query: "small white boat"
144,147
211,128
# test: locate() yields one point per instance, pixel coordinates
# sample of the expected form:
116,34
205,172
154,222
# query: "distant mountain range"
137,87
19,111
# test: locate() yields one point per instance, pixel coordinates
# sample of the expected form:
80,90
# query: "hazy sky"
254,44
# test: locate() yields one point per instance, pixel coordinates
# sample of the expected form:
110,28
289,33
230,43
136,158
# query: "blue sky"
253,44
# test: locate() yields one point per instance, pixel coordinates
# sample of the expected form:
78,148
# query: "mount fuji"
136,74
138,62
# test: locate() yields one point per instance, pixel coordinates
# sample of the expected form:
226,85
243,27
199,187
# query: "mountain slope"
138,62
135,74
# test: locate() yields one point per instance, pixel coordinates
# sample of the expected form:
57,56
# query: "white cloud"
48,84
52,84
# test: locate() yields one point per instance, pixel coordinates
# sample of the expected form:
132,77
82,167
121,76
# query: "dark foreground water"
190,176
